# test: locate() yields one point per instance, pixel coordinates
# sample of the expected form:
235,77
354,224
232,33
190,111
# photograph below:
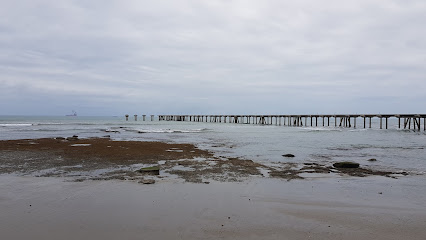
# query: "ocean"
394,149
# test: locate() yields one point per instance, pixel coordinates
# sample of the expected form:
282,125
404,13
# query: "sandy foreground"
50,193
49,208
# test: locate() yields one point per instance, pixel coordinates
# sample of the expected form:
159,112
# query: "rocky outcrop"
346,165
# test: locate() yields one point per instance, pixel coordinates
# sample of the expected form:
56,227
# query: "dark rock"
155,170
372,160
75,136
311,164
346,165
288,155
147,181
60,138
106,136
72,138
111,131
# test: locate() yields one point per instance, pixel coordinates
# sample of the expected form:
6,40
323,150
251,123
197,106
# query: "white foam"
171,130
47,123
15,124
318,129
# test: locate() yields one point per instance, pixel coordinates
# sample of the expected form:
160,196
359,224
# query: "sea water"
394,149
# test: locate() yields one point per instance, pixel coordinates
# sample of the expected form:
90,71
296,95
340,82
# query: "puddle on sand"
80,145
174,150
264,172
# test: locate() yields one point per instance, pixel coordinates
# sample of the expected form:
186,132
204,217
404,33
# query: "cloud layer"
152,57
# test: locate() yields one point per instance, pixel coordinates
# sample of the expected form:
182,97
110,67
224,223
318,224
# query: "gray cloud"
115,57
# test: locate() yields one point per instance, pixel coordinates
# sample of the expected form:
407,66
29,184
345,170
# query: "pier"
405,121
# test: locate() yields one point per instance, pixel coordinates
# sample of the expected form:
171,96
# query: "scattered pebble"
147,181
155,170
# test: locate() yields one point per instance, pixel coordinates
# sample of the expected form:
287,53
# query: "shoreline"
91,188
105,159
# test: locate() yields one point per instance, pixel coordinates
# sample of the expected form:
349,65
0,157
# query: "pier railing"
406,121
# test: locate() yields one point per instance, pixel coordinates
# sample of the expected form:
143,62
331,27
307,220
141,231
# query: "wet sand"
49,208
48,192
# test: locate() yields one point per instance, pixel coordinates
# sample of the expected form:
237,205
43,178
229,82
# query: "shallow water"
394,149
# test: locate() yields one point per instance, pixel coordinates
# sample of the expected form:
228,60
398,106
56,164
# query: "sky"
110,57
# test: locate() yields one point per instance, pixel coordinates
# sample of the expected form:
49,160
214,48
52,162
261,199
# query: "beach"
242,120
211,183
49,208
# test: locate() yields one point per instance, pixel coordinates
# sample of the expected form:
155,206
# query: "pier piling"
344,121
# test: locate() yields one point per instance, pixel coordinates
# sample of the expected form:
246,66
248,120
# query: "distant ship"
74,114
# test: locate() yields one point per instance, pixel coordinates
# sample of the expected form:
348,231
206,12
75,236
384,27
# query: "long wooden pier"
406,121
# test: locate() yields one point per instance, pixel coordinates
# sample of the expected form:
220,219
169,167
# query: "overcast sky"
102,57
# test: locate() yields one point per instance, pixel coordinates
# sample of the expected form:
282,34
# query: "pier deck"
406,121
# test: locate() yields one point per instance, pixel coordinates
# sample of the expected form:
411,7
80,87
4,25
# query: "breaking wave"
321,129
172,130
15,124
